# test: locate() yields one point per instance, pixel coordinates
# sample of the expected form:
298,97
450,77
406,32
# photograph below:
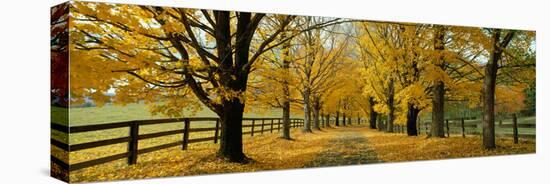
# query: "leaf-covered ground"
349,147
268,152
400,147
330,147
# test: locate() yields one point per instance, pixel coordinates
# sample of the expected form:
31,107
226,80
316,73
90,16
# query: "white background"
24,90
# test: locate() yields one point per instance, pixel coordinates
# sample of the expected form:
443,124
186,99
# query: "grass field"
116,113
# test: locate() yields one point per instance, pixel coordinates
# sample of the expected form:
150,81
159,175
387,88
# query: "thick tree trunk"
489,86
380,123
438,112
372,114
316,109
412,116
307,112
344,119
337,121
391,108
316,124
286,121
234,77
231,135
232,111
286,90
438,94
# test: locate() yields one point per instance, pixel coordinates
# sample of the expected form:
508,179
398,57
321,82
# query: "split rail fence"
266,124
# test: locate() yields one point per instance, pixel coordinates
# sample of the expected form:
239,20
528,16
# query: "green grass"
117,113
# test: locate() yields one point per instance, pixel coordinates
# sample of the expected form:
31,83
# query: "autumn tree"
500,56
320,55
150,52
59,55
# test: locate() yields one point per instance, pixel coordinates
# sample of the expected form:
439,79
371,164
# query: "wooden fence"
459,123
266,124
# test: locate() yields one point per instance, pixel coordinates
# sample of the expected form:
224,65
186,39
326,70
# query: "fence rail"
134,137
459,123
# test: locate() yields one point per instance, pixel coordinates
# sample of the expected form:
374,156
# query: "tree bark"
231,146
380,124
438,93
372,114
337,121
307,112
438,112
412,116
327,121
344,119
316,109
286,89
391,108
489,86
286,121
231,134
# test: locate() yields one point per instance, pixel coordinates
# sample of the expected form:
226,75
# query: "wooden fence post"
252,129
133,143
463,130
216,132
515,126
447,124
186,133
262,129
271,129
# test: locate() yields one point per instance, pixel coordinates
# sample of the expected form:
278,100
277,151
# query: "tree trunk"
337,121
380,124
231,147
438,94
327,121
316,109
391,108
438,113
372,114
286,121
231,135
307,112
344,119
489,86
412,116
286,90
